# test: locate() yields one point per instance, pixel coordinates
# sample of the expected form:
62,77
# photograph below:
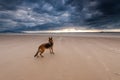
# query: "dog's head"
50,39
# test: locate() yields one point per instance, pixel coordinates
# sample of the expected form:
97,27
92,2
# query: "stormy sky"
20,15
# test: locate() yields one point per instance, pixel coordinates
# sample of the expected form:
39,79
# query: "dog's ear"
50,37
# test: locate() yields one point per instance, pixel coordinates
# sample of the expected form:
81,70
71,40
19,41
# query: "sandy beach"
76,58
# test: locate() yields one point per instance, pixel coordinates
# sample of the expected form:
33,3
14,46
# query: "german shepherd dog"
44,46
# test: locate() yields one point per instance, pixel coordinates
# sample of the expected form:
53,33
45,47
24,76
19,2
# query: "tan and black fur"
44,46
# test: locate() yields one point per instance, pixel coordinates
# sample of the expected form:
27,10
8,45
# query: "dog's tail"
36,53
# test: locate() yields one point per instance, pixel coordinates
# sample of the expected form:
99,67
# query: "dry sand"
76,58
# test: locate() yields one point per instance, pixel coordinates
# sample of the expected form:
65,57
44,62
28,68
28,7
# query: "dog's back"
48,45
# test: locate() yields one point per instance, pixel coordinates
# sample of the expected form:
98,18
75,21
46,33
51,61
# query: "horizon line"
72,31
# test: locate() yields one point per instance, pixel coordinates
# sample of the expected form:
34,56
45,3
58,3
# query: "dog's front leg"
52,50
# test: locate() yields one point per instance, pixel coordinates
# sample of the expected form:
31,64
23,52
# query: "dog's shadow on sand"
45,57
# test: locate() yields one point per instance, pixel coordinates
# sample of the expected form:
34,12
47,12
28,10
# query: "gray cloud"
25,14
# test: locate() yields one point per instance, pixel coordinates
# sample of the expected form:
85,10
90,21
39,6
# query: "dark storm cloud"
34,14
98,14
91,9
9,4
31,13
109,7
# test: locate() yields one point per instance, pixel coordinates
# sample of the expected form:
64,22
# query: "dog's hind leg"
36,53
41,52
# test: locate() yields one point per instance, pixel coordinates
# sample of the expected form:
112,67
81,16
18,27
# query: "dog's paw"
34,55
52,53
37,56
42,56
